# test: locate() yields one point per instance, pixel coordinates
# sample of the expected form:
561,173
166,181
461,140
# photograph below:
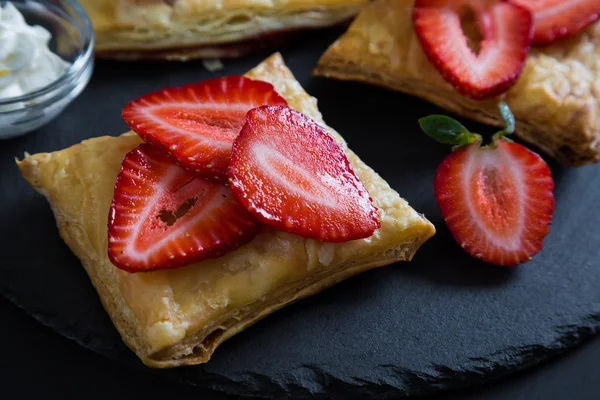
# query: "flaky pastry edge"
225,34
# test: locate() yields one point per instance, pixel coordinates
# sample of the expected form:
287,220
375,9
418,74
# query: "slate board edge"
331,387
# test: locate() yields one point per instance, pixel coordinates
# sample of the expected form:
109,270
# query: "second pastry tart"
556,100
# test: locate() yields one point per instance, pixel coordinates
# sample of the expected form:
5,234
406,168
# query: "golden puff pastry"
555,101
184,29
178,317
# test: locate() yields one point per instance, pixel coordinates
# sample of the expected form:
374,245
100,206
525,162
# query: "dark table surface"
39,363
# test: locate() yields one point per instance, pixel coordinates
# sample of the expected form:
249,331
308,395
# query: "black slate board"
443,321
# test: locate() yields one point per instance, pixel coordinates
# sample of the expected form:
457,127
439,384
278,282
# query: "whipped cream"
26,62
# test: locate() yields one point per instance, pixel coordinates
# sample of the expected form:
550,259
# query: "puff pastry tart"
555,99
183,29
177,317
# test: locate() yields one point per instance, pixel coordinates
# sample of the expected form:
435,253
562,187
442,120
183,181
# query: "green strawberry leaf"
447,130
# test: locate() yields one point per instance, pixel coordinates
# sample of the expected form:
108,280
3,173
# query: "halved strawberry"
162,216
556,19
506,29
197,123
292,175
496,200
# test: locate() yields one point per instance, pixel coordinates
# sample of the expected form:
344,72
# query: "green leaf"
448,131
508,117
444,129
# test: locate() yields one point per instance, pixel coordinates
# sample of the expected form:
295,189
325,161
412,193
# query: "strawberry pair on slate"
496,200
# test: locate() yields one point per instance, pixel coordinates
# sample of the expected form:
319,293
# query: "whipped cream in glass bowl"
26,62
46,60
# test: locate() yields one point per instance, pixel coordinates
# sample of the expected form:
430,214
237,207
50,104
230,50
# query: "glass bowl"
73,40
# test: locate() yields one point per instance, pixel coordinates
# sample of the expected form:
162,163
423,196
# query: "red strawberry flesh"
197,123
292,175
162,216
557,19
497,201
506,29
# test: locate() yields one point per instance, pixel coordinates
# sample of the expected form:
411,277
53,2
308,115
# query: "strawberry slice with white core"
197,123
292,175
557,19
506,29
164,217
496,200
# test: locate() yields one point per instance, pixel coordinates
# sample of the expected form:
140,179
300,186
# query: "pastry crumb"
213,65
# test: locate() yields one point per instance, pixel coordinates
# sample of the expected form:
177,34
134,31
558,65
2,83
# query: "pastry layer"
556,100
201,28
178,317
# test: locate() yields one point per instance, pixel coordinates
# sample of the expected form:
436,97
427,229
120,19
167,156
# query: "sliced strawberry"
506,29
292,175
197,123
164,217
556,19
496,200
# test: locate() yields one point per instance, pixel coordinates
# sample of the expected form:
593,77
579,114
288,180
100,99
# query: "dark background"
39,363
